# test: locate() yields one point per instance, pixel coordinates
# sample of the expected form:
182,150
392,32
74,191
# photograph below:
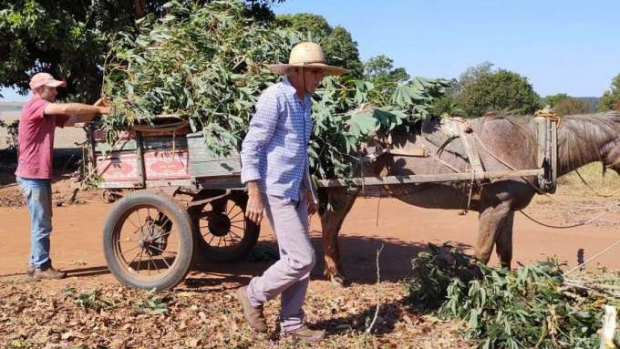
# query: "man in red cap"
40,117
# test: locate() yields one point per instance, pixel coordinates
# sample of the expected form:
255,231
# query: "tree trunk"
139,8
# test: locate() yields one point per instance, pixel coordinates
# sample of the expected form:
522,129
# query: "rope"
596,192
496,157
563,226
593,258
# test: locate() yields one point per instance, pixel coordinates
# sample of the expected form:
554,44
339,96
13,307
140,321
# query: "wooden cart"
183,201
151,236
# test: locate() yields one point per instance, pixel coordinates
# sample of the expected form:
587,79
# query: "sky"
561,46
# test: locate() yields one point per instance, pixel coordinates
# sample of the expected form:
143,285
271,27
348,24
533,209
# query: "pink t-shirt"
36,139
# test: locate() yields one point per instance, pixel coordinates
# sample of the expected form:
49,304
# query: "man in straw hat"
274,160
40,117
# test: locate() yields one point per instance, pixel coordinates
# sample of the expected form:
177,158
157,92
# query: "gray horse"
505,143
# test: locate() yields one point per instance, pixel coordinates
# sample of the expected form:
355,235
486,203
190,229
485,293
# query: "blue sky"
564,46
559,45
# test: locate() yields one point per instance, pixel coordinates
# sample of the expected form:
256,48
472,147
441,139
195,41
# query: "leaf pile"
529,307
113,317
208,65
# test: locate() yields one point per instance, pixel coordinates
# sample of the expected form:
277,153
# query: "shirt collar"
291,89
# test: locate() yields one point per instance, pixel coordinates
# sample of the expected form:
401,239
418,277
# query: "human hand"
103,106
313,205
255,207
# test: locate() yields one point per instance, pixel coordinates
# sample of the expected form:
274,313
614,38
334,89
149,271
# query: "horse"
505,143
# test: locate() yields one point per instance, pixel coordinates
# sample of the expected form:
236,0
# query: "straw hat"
307,55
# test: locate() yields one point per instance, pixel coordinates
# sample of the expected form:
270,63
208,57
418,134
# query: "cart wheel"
225,234
148,241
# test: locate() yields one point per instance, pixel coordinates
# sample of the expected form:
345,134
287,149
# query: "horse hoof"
338,281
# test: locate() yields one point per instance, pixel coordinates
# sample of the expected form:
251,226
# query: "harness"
452,128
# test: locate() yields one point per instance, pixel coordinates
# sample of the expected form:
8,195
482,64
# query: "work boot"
253,315
302,334
48,273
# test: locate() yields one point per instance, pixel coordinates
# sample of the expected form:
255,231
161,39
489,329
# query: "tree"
337,43
70,38
471,75
554,99
380,71
571,106
500,90
611,98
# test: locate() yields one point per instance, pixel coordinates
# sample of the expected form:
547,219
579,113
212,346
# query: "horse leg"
491,219
332,218
504,240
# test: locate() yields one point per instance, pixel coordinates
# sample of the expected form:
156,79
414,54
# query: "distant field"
10,106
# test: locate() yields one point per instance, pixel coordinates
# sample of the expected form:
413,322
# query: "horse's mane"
581,136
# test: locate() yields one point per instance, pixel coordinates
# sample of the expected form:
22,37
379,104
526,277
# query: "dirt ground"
202,311
77,236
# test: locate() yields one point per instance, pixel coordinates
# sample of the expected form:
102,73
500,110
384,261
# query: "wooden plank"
120,185
169,183
165,143
120,145
415,179
473,156
224,182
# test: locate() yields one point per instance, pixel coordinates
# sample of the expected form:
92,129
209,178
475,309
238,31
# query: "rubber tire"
187,242
249,240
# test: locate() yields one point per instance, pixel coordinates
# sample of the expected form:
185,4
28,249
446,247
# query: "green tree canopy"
571,106
70,38
471,75
554,99
499,90
336,42
611,98
381,72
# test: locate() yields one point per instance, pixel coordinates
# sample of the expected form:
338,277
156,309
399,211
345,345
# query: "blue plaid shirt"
275,150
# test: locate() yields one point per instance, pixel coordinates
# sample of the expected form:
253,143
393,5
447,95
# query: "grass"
605,185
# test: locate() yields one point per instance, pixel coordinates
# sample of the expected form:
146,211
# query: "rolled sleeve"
262,128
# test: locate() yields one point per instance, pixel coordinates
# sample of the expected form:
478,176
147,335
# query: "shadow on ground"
358,258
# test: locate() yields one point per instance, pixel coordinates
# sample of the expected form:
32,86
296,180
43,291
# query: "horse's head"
611,160
611,151
587,138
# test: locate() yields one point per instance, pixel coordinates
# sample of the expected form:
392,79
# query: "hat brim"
56,83
49,83
282,69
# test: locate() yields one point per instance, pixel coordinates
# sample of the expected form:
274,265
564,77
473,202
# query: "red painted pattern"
163,165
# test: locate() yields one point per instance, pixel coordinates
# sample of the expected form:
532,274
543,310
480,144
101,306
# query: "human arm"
261,130
311,196
77,112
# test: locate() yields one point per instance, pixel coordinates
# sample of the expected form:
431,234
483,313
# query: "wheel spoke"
233,233
160,236
165,262
156,248
153,261
238,213
139,217
231,208
131,249
132,223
